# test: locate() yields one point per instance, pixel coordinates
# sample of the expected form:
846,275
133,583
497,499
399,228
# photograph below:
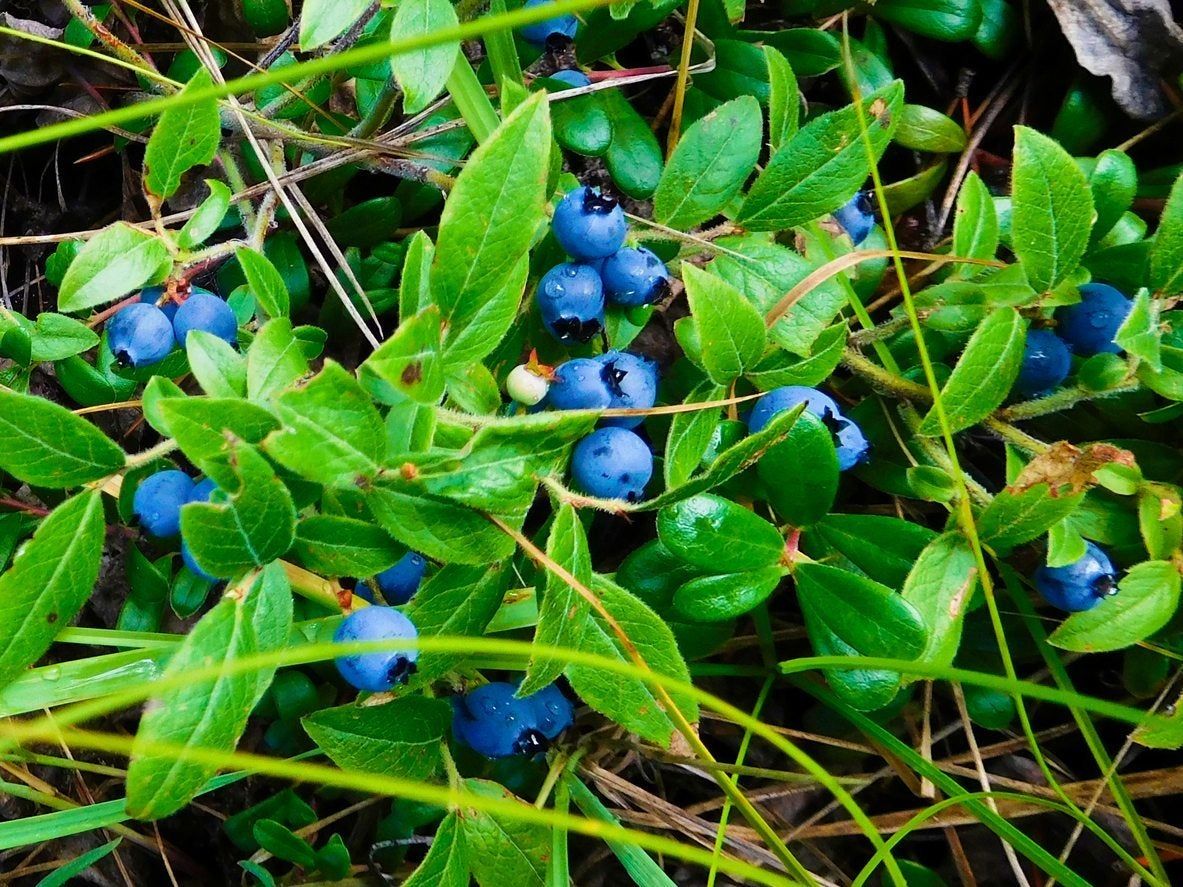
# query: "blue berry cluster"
1079,585
144,332
157,505
1085,328
495,722
571,296
398,584
849,441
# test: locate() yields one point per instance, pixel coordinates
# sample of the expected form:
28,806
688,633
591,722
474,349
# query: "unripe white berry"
526,386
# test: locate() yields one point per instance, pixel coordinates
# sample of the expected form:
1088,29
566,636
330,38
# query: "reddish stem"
595,76
114,309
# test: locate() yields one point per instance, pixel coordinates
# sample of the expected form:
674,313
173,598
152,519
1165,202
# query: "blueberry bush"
585,442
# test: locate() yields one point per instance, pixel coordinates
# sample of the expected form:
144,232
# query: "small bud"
526,386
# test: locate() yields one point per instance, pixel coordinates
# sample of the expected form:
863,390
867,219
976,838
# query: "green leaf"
264,282
408,363
268,607
56,337
332,433
414,292
281,842
641,867
274,361
1113,182
207,217
719,535
422,73
801,497
1140,333
255,526
1053,210
207,713
951,20
48,446
730,329
784,101
1017,516
400,738
324,20
923,129
446,862
49,581
184,137
690,435
491,213
864,689
563,610
502,850
65,873
114,262
200,426
219,369
885,548
985,373
940,587
726,596
710,164
817,170
629,702
1146,599
634,158
862,613
332,545
467,343
458,601
1166,256
975,224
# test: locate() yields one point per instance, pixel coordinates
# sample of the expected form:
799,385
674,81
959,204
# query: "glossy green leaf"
184,137
634,159
456,601
885,548
951,20
1017,516
730,330
940,586
1141,333
114,262
217,367
398,738
1113,181
719,535
207,217
690,435
801,497
924,129
422,73
784,101
264,282
975,225
502,850
200,426
726,596
1146,599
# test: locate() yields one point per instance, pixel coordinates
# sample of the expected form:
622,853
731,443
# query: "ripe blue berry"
1046,362
1079,585
571,77
494,722
1089,326
381,670
612,463
588,224
560,28
579,384
632,383
786,397
158,500
571,301
203,490
140,335
152,296
857,217
850,444
399,583
553,711
205,311
194,567
634,277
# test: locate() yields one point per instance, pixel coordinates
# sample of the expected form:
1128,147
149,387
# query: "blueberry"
612,463
399,583
580,384
1089,326
571,77
588,224
1046,362
571,301
857,217
526,386
850,444
140,335
1079,585
634,277
194,567
152,296
494,722
786,397
203,490
632,383
158,500
380,670
205,311
553,711
559,29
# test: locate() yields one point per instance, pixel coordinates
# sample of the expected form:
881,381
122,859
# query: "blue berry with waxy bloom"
571,302
152,296
778,400
207,312
857,217
158,499
140,335
381,670
1079,585
1046,362
612,463
588,224
632,383
571,77
634,276
203,490
1088,327
850,444
399,583
550,31
579,384
553,711
493,721
195,568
